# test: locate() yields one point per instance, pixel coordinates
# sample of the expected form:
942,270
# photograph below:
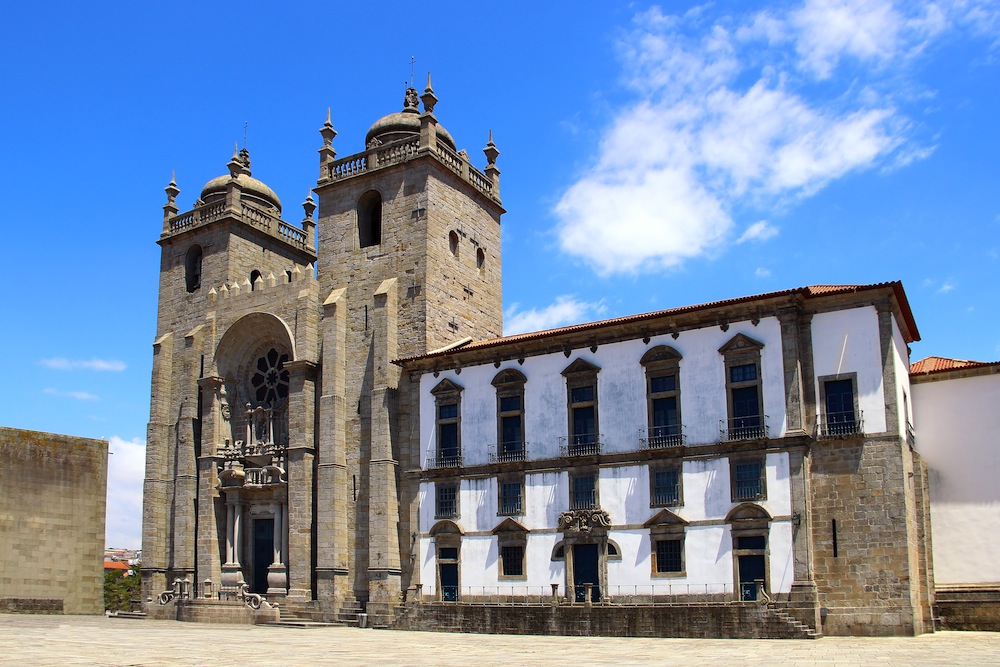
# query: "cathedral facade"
337,422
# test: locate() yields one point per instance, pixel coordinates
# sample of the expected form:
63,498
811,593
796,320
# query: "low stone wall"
31,606
737,621
211,611
968,608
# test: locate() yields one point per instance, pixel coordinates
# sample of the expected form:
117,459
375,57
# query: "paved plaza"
89,640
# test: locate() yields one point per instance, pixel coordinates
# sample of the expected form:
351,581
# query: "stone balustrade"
249,214
387,155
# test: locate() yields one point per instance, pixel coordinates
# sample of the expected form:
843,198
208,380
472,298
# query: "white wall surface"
847,341
957,424
621,388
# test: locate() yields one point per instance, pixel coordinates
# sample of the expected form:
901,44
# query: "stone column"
277,580
300,461
232,576
333,490
791,359
383,515
210,504
157,487
887,349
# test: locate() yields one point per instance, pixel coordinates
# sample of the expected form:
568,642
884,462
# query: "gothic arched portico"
247,410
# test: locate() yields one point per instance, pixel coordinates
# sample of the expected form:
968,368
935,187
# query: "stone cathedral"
277,418
337,426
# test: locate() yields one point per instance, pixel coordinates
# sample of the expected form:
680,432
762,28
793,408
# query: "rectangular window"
583,439
666,487
511,427
840,418
583,492
748,480
669,556
446,500
449,448
746,420
512,560
511,493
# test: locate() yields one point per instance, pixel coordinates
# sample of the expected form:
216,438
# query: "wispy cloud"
758,231
126,467
62,364
946,287
566,310
761,272
742,111
78,395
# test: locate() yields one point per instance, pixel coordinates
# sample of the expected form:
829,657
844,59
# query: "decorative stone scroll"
582,521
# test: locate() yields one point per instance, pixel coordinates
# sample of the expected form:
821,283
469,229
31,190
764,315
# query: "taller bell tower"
409,248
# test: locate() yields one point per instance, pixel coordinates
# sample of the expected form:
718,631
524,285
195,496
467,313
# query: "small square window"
669,556
582,394
666,487
510,403
512,560
663,383
744,373
511,493
748,480
446,501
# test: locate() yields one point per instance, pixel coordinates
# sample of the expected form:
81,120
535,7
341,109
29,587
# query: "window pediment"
748,512
581,367
741,343
446,386
659,354
665,519
509,526
446,528
509,376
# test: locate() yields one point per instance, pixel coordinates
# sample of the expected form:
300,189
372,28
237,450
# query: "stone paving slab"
95,640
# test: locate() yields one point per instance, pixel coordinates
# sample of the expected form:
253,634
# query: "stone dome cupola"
251,190
404,124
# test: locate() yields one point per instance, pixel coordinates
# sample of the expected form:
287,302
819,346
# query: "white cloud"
78,395
566,310
741,111
758,231
946,287
61,364
126,469
761,272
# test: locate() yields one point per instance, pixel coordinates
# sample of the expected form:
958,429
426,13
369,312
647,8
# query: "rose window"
270,379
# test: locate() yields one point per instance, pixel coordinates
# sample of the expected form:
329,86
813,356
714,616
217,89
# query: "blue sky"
652,156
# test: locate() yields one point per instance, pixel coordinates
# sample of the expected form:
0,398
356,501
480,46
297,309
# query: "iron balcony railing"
662,437
511,507
448,459
841,424
750,427
508,452
580,444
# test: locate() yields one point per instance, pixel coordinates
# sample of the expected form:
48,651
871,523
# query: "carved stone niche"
583,521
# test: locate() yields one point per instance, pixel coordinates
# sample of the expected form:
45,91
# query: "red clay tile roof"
807,292
116,565
942,364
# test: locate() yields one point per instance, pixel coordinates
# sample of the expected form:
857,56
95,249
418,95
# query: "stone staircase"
797,628
296,614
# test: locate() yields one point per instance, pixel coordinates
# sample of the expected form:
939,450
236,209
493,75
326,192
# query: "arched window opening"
370,219
254,277
453,243
480,259
192,268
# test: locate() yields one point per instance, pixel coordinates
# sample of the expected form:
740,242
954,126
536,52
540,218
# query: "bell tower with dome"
280,429
409,246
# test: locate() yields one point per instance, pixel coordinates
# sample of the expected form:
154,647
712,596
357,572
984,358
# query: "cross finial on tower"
412,61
